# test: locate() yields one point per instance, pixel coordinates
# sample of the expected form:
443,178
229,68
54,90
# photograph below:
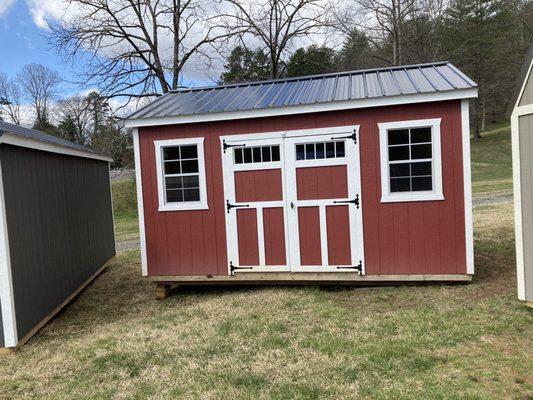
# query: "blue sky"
23,42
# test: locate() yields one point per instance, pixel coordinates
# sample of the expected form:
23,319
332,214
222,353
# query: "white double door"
293,201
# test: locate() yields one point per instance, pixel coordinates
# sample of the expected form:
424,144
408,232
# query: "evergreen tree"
245,65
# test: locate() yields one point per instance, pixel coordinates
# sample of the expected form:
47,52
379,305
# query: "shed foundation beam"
162,291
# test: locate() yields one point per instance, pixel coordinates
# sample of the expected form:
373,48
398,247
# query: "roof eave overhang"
16,140
305,108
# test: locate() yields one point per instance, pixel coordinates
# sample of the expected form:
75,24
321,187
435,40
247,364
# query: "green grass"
125,210
491,160
420,342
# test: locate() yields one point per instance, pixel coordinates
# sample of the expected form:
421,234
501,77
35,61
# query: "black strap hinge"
230,206
358,267
226,146
353,136
233,268
354,201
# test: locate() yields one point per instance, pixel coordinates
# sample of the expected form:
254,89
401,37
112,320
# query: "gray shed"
522,137
56,227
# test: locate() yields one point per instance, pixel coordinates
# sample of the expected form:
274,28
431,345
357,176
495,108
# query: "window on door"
320,150
411,160
181,174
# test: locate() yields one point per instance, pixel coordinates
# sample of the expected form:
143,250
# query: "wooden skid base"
332,278
528,304
162,291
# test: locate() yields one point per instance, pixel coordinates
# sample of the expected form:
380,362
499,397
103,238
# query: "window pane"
398,153
320,150
172,167
420,135
400,184
397,170
330,150
300,152
275,153
310,151
398,136
191,194
174,196
339,149
173,182
257,154
266,153
190,181
420,151
171,153
421,168
189,152
424,183
189,166
247,155
238,156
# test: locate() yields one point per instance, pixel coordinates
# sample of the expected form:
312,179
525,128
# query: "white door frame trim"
277,137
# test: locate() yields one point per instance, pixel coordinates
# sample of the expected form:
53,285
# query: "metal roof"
41,137
354,85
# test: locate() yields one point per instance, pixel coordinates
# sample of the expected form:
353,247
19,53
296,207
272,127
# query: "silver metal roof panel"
353,85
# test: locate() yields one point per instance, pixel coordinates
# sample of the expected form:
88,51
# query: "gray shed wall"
527,96
60,225
525,124
2,340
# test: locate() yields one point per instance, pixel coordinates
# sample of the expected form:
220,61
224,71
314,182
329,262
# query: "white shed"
522,137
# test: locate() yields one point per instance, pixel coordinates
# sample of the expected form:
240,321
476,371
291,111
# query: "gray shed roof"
45,139
354,85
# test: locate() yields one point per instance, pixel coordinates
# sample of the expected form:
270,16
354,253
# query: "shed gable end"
527,92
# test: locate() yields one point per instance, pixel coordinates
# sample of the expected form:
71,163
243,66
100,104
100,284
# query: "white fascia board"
140,202
523,87
306,108
467,182
7,299
15,140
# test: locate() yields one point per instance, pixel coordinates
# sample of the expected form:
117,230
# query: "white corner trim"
517,188
196,205
436,194
6,283
140,203
467,174
15,140
521,93
306,108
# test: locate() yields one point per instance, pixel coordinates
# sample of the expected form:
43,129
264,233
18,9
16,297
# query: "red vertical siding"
309,231
321,182
338,228
400,238
274,233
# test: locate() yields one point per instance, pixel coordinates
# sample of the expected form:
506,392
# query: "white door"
293,201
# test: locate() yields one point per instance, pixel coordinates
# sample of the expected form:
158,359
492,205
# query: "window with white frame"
411,160
181,174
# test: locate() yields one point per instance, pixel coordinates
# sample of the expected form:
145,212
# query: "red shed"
359,176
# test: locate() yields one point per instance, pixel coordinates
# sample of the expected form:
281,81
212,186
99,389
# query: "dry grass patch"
431,342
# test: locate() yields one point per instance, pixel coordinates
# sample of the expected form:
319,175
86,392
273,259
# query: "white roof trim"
16,140
304,109
523,87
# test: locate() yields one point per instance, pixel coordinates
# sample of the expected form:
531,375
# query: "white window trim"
187,205
436,194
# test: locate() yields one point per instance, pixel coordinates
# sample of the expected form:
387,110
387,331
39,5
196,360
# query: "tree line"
135,49
86,119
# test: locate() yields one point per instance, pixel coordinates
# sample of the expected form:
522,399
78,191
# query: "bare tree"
384,21
276,24
10,98
75,118
135,48
39,86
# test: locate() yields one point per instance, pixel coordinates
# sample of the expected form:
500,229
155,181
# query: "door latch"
230,206
354,201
